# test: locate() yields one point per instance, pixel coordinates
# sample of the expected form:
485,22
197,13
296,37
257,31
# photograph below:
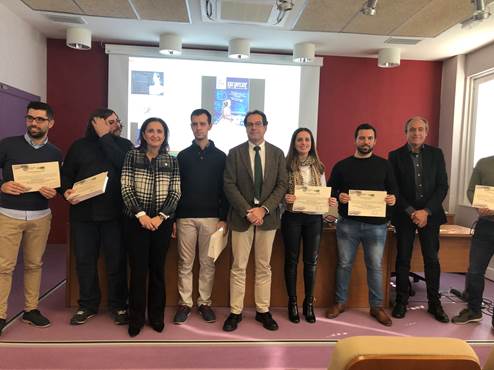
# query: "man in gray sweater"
482,247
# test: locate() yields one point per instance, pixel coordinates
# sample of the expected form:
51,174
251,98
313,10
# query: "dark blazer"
239,186
435,183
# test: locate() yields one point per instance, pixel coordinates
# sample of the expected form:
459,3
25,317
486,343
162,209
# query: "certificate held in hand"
217,243
311,199
89,187
37,175
367,203
483,197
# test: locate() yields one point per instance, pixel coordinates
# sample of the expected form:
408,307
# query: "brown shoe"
335,310
381,316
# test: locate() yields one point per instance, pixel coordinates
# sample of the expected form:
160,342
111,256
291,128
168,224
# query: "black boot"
293,310
309,310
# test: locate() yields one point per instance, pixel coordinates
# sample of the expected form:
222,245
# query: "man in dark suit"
255,181
423,184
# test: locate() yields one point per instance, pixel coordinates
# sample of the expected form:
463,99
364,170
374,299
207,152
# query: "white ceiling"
197,33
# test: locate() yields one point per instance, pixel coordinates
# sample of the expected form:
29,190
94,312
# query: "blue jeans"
350,234
481,251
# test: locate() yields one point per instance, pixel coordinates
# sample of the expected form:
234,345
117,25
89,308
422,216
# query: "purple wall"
13,104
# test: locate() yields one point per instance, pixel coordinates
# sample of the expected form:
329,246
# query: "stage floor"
199,345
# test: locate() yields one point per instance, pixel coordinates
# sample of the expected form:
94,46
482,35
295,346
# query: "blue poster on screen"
231,100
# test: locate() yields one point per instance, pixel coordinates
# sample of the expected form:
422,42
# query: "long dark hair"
143,145
98,113
292,160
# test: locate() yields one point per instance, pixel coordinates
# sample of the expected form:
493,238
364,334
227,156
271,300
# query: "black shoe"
120,317
81,316
182,314
157,326
293,311
3,323
438,313
466,316
232,321
35,318
399,310
134,330
267,320
207,313
308,310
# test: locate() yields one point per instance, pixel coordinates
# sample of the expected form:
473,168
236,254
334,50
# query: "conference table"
454,250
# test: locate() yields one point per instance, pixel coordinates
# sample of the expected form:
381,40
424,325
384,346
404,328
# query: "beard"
364,149
35,133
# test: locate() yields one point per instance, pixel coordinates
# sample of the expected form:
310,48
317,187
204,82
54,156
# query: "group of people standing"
151,196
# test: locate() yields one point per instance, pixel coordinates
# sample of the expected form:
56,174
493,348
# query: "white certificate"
36,175
367,203
311,199
89,187
217,243
483,197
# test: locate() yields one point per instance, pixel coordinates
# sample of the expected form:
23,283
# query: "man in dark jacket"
96,222
420,171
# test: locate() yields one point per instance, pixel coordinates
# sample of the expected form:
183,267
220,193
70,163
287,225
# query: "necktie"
257,173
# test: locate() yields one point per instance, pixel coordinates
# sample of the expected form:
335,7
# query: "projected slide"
148,83
172,88
232,100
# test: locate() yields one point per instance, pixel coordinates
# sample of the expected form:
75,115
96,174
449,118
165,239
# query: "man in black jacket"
96,222
420,171
25,217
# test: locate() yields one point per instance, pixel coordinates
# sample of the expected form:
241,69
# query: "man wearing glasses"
24,216
255,182
95,223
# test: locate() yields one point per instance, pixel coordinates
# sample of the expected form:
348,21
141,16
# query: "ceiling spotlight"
239,49
480,12
389,58
283,7
170,44
369,8
304,52
78,38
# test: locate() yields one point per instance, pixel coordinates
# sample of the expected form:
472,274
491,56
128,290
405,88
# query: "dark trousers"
147,254
88,238
297,227
429,243
481,251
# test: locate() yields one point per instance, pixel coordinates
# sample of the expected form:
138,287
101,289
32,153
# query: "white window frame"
467,145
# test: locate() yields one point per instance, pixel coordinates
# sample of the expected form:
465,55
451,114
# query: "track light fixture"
304,52
369,8
170,44
78,38
239,49
388,58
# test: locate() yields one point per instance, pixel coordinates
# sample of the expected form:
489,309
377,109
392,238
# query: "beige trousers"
241,247
33,236
192,232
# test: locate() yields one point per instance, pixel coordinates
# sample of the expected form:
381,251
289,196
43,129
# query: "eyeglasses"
117,121
37,119
254,124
